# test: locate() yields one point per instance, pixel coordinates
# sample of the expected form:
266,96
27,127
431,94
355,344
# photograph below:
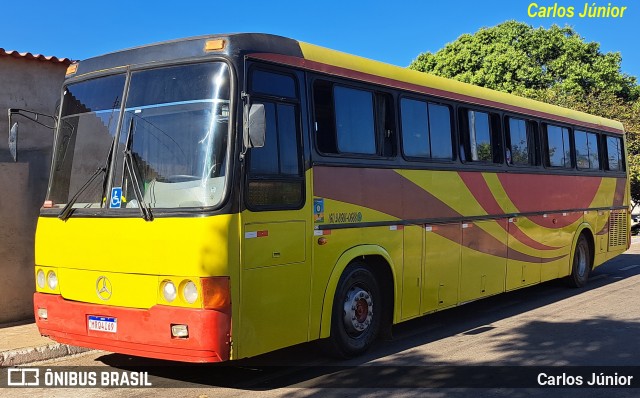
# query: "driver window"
275,178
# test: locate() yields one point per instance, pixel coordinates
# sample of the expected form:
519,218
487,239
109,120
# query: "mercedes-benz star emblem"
103,288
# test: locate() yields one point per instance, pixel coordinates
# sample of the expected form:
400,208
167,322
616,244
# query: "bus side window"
386,124
275,178
481,136
496,138
615,160
586,150
426,130
353,121
275,84
325,128
520,142
355,125
557,150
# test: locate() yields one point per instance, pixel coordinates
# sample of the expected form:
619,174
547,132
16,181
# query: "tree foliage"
516,58
554,65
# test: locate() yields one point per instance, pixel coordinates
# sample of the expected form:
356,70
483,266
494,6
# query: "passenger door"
275,252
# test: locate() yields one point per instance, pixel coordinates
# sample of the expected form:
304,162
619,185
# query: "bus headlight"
169,291
189,292
40,279
52,280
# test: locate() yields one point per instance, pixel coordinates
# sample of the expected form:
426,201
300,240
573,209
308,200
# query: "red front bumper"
145,333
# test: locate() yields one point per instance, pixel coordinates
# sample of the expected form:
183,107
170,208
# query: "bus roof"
311,57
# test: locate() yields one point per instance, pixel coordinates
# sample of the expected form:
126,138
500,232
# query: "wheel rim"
581,260
358,310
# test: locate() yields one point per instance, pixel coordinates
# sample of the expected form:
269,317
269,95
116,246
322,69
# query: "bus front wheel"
357,311
581,266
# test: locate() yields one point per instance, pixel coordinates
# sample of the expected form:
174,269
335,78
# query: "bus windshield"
175,124
87,127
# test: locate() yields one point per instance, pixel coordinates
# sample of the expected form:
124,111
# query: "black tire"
357,311
581,266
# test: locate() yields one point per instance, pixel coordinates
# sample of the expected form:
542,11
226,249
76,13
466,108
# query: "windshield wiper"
66,211
131,165
129,162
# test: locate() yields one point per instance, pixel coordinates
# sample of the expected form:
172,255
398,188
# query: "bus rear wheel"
581,266
357,310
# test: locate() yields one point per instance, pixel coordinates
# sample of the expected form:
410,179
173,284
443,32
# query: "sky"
392,31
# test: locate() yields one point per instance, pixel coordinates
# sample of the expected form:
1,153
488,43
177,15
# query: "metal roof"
37,57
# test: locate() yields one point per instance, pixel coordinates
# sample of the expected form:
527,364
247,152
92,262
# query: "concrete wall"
33,85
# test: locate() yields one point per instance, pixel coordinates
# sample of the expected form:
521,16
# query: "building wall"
33,85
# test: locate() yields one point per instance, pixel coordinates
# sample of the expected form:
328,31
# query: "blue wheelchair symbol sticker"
116,198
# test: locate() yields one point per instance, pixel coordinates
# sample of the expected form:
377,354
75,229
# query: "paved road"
544,325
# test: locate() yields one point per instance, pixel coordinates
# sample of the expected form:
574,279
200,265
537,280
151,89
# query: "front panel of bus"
136,238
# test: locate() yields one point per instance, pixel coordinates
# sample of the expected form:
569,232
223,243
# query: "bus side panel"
524,262
275,281
412,279
443,250
596,221
328,257
557,239
484,259
326,294
274,308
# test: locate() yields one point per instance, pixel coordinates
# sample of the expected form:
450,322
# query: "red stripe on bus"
349,73
481,241
383,190
478,186
618,196
526,191
556,220
379,189
451,232
605,228
523,238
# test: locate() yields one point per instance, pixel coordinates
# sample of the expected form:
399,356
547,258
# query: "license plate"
103,324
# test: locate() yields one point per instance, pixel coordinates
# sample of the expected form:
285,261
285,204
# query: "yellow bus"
220,197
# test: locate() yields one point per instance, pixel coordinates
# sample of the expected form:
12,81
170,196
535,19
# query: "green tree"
516,58
552,65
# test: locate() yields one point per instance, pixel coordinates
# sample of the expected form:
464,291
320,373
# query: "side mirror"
13,141
255,130
13,131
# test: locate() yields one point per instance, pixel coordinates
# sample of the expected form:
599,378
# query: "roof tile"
38,57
